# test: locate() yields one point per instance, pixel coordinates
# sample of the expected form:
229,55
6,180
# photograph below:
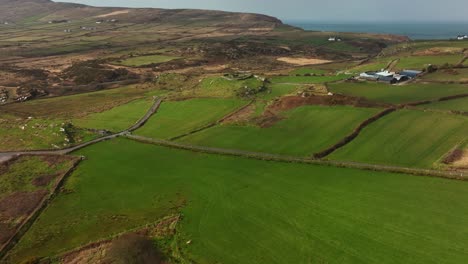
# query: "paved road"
4,156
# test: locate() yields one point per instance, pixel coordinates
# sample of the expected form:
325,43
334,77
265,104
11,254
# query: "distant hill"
18,11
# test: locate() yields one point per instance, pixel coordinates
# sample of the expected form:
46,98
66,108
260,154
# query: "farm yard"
250,202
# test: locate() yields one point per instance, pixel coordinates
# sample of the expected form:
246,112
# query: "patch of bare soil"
219,67
302,61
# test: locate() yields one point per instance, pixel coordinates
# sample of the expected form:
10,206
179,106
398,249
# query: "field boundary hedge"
346,140
455,175
29,221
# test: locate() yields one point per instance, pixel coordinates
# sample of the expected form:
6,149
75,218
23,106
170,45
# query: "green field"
408,138
452,105
303,131
398,94
303,71
32,134
449,75
420,62
180,117
258,211
221,87
278,89
118,118
146,60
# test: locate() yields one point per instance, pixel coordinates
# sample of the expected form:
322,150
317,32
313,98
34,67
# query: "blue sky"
318,10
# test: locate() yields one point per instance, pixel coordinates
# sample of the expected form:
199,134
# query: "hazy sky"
318,10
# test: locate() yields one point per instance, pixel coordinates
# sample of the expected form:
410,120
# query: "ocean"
416,31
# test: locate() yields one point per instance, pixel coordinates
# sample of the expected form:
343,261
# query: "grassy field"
258,211
409,138
146,60
303,131
420,62
179,117
308,79
398,94
449,75
78,105
221,87
118,118
453,105
375,65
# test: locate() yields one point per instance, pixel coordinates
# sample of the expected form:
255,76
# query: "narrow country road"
4,156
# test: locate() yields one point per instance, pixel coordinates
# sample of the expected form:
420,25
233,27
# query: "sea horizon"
417,30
